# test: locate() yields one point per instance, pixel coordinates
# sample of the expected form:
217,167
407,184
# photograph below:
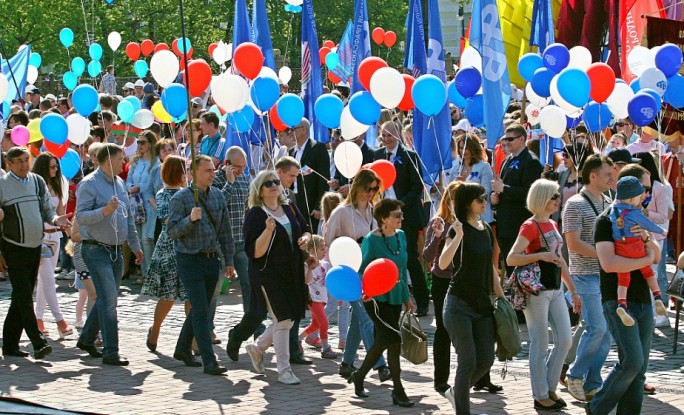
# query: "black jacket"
518,173
316,156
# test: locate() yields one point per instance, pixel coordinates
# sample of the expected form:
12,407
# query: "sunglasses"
373,189
555,196
141,142
270,183
197,106
621,124
397,215
482,198
509,139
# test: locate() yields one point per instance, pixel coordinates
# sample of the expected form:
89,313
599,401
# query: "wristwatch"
648,238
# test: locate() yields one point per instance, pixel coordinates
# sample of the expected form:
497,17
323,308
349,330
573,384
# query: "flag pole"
193,165
14,80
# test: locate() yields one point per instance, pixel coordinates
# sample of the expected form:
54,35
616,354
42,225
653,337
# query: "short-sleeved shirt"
579,216
553,238
638,291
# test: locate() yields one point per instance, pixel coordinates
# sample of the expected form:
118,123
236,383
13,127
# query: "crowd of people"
190,210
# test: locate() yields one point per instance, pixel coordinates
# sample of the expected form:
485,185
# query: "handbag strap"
584,195
211,217
543,238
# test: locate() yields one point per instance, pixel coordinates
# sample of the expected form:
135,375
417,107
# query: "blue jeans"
240,262
624,385
361,327
661,272
594,344
106,270
199,275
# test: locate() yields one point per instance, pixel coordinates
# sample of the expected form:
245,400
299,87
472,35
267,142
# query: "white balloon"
143,119
532,112
229,51
471,57
114,40
640,59
618,101
285,74
79,128
267,72
552,121
295,2
4,87
580,58
350,126
164,67
31,74
348,158
229,92
558,99
219,55
387,87
655,79
532,96
345,251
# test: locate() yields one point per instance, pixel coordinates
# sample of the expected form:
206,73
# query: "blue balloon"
78,65
573,122
217,111
290,109
343,283
85,99
642,109
174,100
54,128
556,57
655,96
454,96
635,85
242,120
289,8
529,63
332,59
328,110
574,86
364,108
125,111
468,82
135,102
140,67
70,163
184,45
297,9
474,110
264,92
109,1
35,60
673,93
541,82
429,94
596,116
669,59
66,36
94,68
70,80
95,51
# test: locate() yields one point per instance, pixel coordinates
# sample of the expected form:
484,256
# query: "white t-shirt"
317,290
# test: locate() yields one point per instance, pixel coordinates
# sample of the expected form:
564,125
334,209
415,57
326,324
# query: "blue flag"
261,33
312,78
486,38
19,68
541,34
242,32
361,48
344,68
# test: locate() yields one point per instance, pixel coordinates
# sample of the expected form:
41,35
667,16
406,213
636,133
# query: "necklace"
272,210
384,239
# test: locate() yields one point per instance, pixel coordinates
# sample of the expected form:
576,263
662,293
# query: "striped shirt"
579,216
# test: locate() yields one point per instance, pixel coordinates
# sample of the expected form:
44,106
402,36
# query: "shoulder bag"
414,342
676,288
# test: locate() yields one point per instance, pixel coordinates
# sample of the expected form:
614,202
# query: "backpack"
508,343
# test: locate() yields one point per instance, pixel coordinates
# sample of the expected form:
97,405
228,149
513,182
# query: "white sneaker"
660,308
590,395
627,320
662,321
576,389
79,324
257,358
449,395
288,378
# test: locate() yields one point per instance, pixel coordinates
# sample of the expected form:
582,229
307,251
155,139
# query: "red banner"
632,26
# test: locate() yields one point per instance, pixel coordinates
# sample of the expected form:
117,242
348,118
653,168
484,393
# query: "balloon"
164,67
332,60
642,109
529,63
552,121
640,59
380,277
133,51
79,129
390,38
343,283
617,101
596,116
328,109
668,59
94,68
471,58
429,94
572,122
386,171
70,164
31,74
367,68
160,113
474,110
285,74
541,81
248,59
328,43
454,96
85,99
348,159
407,103
66,36
211,48
184,45
378,35
556,57
673,94
323,53
199,74
387,87
290,109
146,47
333,78
574,86
655,96
228,92
35,60
125,111
135,102
532,96
602,79
364,108
95,51
558,98
275,119
141,68
20,135
635,85
532,112
219,54
34,130
114,41
580,58
160,46
345,251
78,65
4,87
468,81
54,128
654,79
264,93
350,126
242,120
57,150
174,98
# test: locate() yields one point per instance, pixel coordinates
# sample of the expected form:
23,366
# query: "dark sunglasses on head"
373,189
509,139
555,196
270,183
482,198
141,142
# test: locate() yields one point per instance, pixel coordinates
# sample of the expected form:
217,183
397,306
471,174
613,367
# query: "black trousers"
247,326
441,345
22,264
418,282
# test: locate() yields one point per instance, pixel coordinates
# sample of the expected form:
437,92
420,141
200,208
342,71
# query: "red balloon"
190,52
161,46
133,51
386,170
322,53
367,68
174,47
378,35
380,277
147,47
211,48
390,39
407,103
602,79
199,74
329,44
334,78
276,122
57,150
248,59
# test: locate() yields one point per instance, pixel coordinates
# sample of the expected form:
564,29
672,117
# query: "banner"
360,42
312,78
632,27
15,69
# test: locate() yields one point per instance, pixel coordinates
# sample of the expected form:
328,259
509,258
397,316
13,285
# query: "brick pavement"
156,383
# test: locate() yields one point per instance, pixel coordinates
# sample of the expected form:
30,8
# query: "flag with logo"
15,70
344,68
361,48
312,78
261,32
541,34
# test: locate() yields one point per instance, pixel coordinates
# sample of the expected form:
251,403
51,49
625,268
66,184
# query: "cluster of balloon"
35,60
77,64
380,36
221,53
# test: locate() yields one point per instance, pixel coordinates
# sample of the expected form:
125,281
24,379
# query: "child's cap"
628,187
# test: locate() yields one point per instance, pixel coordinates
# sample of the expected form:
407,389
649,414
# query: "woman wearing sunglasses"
539,241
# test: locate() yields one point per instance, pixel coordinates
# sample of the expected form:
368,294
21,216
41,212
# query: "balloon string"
287,43
85,23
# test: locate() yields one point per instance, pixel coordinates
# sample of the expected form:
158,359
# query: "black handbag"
549,271
676,288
